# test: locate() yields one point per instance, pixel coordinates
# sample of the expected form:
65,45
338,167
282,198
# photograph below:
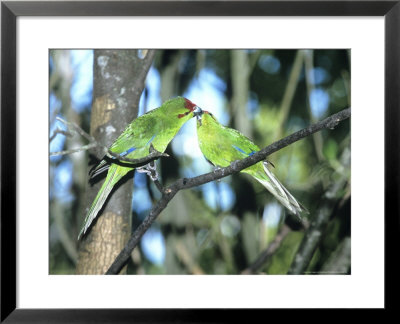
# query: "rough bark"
119,77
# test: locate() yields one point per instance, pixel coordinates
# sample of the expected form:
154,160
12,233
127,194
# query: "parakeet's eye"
184,114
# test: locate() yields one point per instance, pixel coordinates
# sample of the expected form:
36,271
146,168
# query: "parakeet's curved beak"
197,111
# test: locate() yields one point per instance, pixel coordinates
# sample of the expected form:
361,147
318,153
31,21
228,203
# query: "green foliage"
282,259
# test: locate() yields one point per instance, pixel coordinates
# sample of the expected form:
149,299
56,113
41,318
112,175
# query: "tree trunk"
119,77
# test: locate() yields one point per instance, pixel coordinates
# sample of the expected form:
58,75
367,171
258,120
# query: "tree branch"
186,183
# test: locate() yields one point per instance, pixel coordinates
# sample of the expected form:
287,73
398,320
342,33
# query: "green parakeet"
222,145
157,127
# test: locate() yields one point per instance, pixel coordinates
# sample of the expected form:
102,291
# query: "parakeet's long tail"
115,173
269,181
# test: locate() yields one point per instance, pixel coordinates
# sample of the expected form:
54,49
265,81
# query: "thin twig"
77,129
59,131
186,183
78,149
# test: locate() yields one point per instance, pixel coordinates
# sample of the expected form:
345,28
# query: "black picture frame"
10,11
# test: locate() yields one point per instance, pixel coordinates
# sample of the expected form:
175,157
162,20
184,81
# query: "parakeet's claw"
144,169
150,169
153,171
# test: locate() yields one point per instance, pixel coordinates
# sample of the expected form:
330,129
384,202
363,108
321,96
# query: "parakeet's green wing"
139,134
134,142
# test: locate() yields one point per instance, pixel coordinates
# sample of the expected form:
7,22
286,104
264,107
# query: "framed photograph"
266,166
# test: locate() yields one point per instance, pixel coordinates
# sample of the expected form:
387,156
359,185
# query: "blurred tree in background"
234,225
